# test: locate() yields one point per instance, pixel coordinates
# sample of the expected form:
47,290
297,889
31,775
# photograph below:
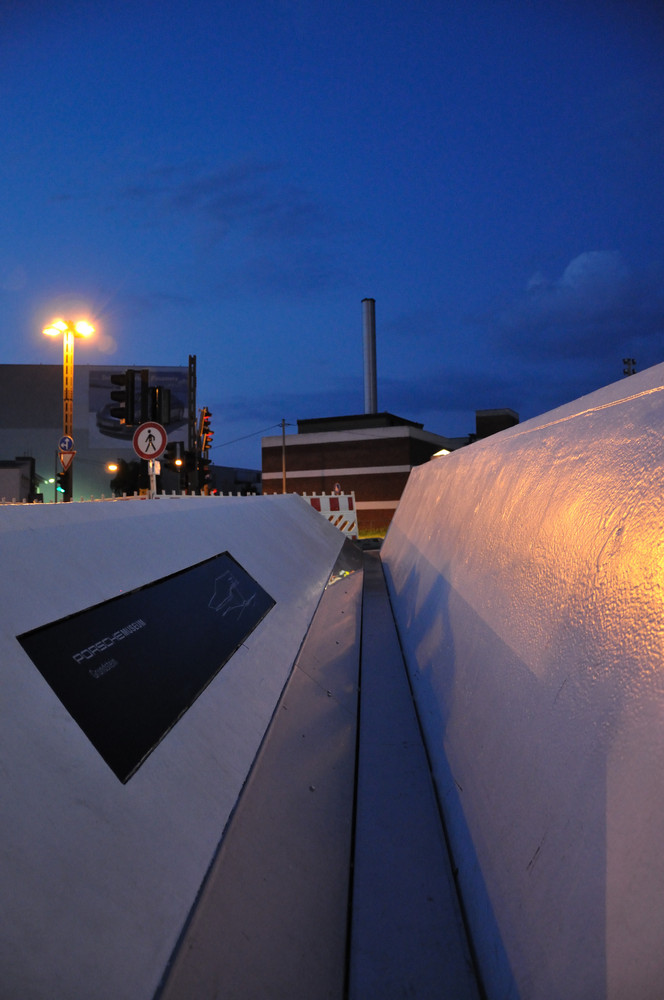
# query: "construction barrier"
338,508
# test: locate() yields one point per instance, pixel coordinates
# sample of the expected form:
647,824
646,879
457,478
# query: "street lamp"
69,331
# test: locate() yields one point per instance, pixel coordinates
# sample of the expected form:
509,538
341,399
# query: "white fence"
339,509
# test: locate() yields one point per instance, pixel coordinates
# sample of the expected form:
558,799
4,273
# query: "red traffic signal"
205,434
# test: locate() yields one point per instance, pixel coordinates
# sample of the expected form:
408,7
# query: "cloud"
599,305
124,306
301,272
251,196
252,228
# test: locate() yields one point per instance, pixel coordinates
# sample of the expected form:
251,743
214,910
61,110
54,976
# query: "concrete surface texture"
98,877
526,574
272,916
332,881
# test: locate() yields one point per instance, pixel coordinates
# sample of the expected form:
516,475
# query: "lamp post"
69,331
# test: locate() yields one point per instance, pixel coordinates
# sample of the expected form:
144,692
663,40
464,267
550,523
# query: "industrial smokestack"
369,325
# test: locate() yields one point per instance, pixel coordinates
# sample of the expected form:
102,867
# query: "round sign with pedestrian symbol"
150,440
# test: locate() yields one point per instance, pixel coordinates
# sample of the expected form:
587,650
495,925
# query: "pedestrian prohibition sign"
150,440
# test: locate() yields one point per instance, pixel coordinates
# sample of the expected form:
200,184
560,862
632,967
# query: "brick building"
370,454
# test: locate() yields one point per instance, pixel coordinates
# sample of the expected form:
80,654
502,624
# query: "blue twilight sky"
229,178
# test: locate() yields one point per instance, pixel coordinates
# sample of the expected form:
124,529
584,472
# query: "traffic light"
145,402
60,482
125,412
173,458
160,404
205,433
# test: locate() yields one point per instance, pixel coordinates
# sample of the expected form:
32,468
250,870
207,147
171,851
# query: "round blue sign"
66,443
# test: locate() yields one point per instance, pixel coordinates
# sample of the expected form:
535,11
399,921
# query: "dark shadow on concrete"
271,917
408,937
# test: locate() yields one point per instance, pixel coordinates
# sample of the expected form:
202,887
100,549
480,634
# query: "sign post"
149,442
66,452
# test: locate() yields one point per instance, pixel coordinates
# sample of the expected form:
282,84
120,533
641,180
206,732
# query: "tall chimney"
369,326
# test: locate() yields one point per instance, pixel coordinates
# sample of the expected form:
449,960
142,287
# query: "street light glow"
57,327
81,328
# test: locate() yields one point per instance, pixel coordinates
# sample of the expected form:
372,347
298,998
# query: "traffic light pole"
67,482
191,403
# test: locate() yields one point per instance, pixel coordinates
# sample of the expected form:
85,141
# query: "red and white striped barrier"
339,509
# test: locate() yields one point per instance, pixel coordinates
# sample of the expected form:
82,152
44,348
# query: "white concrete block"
98,877
527,577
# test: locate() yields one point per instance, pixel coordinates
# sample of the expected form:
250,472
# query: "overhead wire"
245,436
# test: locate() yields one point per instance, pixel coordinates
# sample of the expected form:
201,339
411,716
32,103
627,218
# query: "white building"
31,421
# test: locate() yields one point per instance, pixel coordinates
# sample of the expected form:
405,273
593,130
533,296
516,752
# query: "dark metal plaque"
128,669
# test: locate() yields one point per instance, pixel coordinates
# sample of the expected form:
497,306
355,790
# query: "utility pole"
283,456
191,456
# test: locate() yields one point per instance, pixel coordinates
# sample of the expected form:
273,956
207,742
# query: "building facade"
31,422
370,455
